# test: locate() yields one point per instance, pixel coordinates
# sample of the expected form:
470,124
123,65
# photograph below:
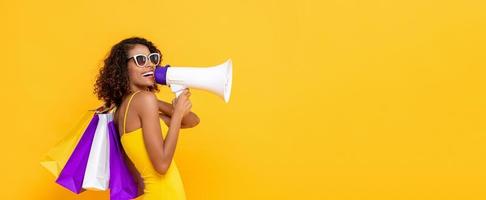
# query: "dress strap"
126,110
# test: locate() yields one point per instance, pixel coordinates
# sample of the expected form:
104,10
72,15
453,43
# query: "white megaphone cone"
216,79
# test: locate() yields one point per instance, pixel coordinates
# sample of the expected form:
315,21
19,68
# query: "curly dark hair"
112,83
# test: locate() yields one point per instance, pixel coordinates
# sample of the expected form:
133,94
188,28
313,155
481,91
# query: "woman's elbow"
162,169
194,122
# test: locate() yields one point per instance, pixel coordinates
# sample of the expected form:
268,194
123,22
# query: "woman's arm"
160,150
167,110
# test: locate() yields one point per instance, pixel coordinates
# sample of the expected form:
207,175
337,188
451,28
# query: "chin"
147,83
150,83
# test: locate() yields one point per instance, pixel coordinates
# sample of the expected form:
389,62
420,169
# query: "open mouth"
147,74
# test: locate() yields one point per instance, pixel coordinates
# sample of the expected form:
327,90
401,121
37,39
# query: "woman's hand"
166,110
182,105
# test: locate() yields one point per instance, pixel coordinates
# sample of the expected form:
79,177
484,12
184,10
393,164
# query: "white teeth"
147,73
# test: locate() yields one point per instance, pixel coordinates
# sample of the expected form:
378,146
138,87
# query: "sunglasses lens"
141,60
155,58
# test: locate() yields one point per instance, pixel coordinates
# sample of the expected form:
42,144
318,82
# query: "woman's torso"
157,186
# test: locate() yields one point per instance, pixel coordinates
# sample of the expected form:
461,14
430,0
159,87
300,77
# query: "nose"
150,65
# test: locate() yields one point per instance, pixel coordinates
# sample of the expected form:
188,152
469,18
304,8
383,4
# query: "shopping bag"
55,159
72,175
97,174
122,182
91,157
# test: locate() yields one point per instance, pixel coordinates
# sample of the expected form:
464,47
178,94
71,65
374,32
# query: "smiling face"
140,77
120,75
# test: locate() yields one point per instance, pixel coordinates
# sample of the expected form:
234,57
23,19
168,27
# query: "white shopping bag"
97,174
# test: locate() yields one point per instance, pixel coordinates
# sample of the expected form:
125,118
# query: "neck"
135,88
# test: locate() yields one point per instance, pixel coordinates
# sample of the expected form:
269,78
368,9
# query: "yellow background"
331,99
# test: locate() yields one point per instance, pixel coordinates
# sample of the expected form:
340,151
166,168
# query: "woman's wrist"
177,117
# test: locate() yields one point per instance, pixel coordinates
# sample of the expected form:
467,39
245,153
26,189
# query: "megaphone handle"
177,89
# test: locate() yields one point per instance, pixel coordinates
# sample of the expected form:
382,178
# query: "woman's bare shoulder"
145,101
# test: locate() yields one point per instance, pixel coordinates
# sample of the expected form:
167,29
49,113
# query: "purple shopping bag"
122,183
72,175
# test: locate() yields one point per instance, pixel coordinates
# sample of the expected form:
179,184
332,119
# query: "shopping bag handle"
103,109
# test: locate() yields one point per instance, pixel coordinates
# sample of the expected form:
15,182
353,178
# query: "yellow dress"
157,187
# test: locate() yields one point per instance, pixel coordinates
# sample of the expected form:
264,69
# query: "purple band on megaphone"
161,74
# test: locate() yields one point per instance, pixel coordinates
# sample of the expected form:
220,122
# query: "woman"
126,81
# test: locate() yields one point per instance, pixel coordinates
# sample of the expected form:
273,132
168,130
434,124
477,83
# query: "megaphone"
215,79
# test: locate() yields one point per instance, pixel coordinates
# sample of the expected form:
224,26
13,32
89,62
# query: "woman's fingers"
188,106
185,91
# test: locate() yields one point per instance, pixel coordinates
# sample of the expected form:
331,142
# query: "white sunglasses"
141,60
